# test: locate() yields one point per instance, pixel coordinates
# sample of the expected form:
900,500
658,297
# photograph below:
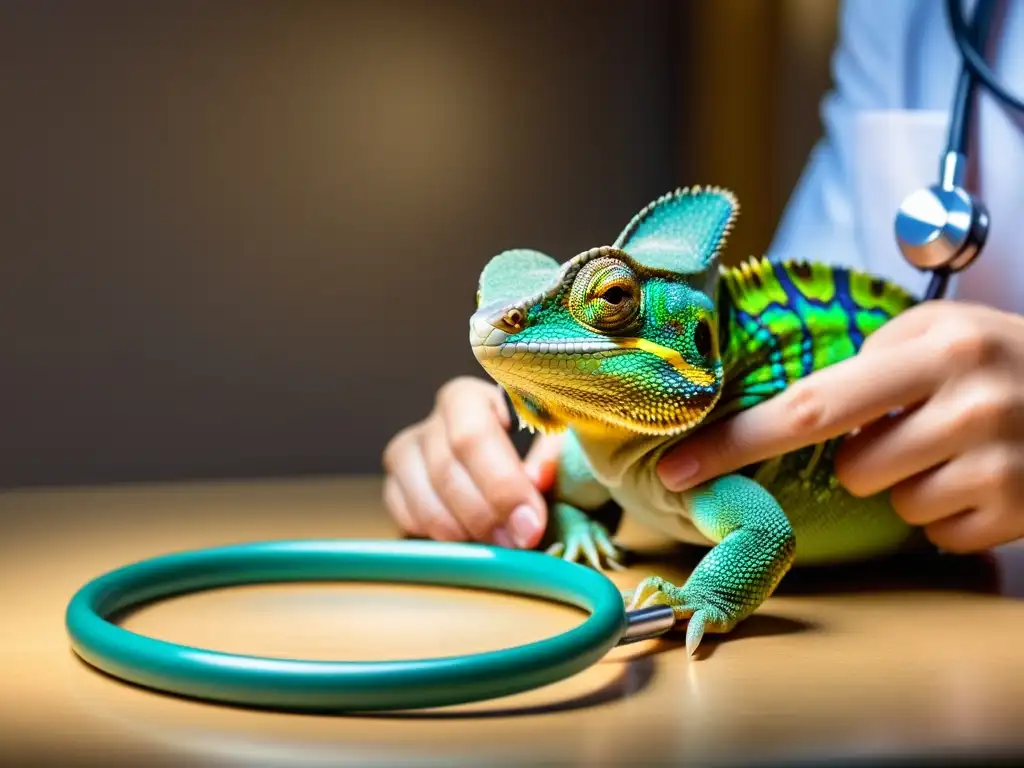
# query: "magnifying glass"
295,684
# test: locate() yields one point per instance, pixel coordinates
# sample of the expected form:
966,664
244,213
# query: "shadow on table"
998,572
635,674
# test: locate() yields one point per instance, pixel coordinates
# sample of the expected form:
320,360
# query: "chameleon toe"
578,538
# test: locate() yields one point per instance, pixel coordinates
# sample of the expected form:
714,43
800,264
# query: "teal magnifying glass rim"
296,684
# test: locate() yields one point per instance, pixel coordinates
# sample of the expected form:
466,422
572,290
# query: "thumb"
541,462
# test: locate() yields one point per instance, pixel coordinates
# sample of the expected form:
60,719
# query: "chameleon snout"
490,327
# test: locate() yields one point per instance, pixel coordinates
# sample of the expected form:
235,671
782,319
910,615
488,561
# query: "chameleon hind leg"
573,534
755,547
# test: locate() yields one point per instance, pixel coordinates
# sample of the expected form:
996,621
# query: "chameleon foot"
755,548
702,614
575,535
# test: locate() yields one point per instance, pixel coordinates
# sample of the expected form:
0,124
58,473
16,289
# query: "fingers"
453,484
476,437
829,403
889,451
972,412
394,500
939,492
971,503
408,471
457,475
976,529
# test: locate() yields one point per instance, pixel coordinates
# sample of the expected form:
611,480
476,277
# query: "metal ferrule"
647,623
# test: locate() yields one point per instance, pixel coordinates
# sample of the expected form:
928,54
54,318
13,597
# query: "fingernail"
501,538
677,471
524,522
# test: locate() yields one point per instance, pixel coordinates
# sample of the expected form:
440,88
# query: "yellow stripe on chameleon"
672,357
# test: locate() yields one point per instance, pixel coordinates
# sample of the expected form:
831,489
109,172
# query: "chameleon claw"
694,632
580,539
701,616
655,591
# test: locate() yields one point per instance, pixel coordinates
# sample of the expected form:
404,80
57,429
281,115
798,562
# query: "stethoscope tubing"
295,684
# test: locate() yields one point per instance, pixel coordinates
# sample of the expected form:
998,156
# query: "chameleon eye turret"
606,295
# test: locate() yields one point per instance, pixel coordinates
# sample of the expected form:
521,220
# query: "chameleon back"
780,322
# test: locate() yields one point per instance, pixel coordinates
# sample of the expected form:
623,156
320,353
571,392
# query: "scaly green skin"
630,347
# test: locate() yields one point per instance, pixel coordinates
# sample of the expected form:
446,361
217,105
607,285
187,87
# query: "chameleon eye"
605,295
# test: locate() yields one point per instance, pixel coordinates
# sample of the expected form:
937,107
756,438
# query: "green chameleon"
631,347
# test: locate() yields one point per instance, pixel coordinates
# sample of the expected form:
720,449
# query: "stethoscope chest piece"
941,227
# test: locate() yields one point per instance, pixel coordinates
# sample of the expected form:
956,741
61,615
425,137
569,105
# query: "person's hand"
456,475
938,395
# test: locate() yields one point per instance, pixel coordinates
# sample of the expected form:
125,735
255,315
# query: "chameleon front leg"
573,534
754,549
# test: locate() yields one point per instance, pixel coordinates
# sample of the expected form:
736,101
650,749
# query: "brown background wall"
241,238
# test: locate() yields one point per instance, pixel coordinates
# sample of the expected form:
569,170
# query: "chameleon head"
608,344
622,337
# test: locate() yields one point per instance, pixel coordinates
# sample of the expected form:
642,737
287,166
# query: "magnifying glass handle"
648,623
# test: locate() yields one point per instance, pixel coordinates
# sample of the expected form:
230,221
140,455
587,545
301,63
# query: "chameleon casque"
631,347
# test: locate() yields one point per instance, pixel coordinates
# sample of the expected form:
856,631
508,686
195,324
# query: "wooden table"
907,657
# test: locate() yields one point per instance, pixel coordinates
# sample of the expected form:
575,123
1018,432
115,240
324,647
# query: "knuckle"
462,508
963,344
905,501
1004,473
987,409
440,525
393,449
805,407
465,440
942,535
452,390
445,475
477,521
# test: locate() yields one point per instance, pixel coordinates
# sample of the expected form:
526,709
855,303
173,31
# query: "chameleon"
631,347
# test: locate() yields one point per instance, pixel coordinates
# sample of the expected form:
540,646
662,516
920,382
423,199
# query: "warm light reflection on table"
908,656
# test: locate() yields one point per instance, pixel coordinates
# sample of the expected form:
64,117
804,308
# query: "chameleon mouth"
490,343
554,375
597,350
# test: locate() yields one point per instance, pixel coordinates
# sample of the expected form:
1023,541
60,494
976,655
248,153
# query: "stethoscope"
942,229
